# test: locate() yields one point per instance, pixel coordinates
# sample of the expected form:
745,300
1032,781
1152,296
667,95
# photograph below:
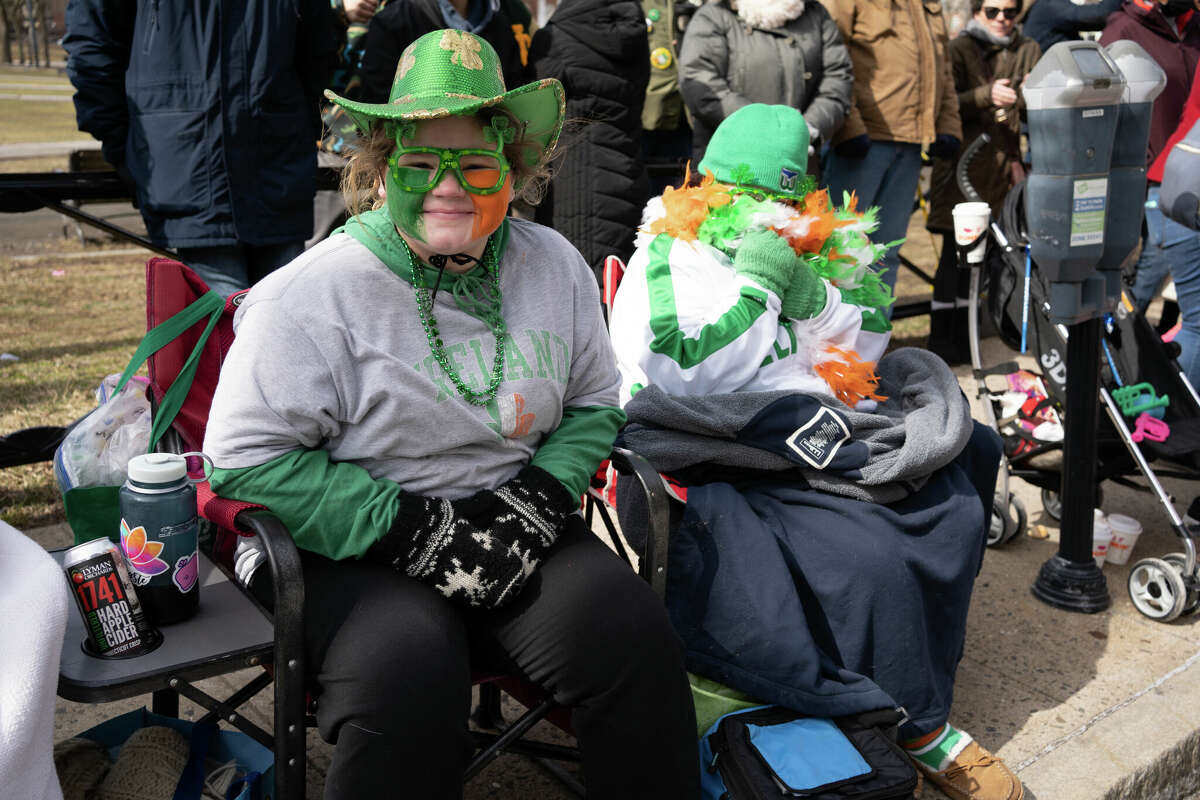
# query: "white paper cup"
1101,537
1125,533
971,220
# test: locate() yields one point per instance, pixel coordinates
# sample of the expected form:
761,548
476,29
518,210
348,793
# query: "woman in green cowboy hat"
422,399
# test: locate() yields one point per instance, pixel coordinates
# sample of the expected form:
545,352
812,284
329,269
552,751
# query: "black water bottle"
159,536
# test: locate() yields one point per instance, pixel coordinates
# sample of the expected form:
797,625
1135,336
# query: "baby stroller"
1153,412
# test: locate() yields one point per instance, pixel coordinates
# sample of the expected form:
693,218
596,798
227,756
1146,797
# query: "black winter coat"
210,108
401,22
1052,21
600,52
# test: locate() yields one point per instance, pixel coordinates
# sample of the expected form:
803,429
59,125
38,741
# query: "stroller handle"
960,171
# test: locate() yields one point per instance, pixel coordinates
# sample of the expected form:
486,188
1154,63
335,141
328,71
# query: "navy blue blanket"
830,605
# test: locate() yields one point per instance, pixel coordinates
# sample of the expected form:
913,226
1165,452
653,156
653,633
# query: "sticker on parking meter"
1087,212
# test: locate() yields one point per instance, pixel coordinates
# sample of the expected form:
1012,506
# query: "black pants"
950,282
393,658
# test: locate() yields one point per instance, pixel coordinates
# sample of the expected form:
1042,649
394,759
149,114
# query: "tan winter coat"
903,89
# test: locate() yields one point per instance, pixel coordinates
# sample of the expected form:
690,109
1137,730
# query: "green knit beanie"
761,146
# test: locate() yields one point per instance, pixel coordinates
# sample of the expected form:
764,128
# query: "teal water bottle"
159,536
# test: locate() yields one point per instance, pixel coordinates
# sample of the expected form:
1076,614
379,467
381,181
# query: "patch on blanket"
817,441
805,431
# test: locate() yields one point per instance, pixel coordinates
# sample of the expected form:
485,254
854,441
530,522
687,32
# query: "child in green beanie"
752,280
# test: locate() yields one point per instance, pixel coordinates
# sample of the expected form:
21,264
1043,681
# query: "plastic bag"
97,450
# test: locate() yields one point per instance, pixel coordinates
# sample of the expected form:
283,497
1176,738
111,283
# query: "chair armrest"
287,578
283,559
653,558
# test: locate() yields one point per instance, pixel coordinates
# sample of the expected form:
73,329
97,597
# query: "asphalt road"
22,231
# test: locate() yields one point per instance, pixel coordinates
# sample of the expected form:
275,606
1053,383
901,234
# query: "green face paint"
406,209
415,170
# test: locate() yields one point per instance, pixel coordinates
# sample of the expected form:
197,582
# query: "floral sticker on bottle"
141,553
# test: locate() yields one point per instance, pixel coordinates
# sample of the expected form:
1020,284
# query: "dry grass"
42,164
26,74
68,331
23,122
37,121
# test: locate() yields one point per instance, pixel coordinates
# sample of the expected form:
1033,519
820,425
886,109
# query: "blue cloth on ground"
813,752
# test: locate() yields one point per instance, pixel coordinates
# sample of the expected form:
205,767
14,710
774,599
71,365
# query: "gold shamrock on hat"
464,49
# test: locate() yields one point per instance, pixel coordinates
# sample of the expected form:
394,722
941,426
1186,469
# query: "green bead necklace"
493,318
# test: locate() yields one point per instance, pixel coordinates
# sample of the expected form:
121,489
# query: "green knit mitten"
766,257
804,296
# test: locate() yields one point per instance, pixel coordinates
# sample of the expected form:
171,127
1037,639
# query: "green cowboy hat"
452,73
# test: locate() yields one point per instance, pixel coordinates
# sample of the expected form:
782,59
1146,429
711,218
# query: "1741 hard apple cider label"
111,612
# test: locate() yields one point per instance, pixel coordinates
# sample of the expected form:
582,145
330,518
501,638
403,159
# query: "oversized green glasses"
419,169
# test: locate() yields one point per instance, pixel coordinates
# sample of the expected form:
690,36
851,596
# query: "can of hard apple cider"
112,615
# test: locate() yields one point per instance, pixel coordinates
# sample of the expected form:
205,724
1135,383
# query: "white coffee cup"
970,221
1125,533
1101,537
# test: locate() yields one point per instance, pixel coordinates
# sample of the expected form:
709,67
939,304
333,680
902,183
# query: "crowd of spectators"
884,86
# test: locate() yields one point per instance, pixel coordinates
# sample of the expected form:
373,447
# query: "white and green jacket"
330,402
683,320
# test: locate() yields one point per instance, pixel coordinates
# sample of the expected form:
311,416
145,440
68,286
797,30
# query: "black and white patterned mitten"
431,542
527,512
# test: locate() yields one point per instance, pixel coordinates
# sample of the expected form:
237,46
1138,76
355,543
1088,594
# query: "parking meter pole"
1071,580
1089,112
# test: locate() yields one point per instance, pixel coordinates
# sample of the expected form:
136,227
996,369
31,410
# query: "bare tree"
44,29
15,23
16,12
6,30
24,21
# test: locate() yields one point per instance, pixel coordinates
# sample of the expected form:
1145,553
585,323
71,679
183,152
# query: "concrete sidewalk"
1078,703
1074,703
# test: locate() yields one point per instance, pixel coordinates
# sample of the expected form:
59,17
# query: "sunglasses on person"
419,169
991,12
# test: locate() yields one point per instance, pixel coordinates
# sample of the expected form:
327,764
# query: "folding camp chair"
274,638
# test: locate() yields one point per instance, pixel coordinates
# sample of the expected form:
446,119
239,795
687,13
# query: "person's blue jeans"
886,177
1174,249
230,268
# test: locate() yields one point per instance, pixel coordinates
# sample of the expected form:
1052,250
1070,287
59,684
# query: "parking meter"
1144,81
1071,97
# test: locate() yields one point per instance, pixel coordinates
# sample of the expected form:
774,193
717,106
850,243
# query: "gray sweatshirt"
331,357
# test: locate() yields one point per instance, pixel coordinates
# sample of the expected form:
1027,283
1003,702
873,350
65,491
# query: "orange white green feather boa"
834,242
684,320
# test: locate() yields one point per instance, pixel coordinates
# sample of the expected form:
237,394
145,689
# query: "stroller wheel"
1156,589
1052,504
1004,525
1179,562
1018,507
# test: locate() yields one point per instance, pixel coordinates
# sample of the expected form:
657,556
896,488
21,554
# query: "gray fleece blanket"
879,456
